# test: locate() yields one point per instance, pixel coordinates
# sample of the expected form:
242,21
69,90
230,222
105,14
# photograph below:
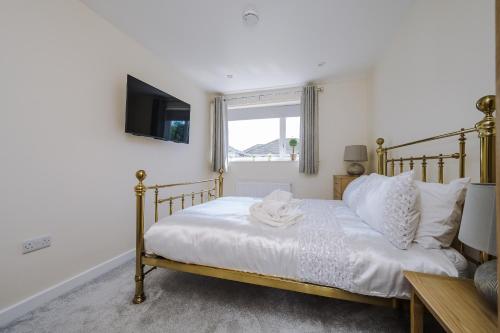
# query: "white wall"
427,82
67,166
343,120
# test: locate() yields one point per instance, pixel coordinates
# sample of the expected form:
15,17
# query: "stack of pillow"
406,210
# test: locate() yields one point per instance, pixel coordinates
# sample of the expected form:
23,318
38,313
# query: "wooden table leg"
416,314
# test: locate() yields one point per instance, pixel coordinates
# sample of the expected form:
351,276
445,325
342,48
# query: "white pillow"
389,205
441,211
352,192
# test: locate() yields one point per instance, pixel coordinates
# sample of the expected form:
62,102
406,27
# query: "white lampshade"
478,227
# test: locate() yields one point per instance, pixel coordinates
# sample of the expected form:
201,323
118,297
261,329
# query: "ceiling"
207,40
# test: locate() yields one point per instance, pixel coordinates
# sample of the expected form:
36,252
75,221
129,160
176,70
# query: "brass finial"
221,171
140,175
380,141
486,126
486,104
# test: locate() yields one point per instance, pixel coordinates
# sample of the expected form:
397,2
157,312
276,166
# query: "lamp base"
486,282
355,169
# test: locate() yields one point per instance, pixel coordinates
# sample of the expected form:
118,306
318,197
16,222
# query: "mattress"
330,246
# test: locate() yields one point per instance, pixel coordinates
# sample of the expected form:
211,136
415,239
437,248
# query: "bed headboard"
486,132
387,162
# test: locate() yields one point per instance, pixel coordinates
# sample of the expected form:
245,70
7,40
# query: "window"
263,133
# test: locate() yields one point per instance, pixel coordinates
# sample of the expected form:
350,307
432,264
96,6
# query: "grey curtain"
220,139
309,143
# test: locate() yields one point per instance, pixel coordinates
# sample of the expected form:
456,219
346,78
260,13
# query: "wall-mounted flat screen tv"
154,113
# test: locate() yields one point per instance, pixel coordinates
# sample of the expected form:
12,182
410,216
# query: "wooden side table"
454,302
340,183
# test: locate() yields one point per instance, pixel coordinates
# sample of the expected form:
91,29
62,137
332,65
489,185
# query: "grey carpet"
181,302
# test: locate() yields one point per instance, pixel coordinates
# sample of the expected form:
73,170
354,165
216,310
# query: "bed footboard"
140,192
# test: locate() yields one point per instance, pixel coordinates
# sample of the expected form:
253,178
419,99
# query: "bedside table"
340,182
454,302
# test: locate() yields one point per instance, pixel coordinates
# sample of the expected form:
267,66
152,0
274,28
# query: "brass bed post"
385,162
221,183
140,191
487,133
424,169
440,169
156,203
461,154
380,156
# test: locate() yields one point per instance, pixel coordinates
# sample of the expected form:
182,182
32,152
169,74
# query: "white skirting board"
15,311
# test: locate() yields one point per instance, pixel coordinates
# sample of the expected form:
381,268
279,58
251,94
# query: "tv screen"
153,113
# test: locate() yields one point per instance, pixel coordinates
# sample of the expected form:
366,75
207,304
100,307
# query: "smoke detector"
250,17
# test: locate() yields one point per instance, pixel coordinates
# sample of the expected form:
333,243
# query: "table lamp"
478,230
355,153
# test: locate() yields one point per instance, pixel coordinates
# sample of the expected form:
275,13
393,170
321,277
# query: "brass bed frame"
385,165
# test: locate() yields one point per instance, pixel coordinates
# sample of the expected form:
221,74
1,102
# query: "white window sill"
260,160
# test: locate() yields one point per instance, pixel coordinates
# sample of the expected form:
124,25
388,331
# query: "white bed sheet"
330,246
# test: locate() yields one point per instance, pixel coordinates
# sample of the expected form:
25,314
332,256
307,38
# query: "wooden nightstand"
454,302
340,182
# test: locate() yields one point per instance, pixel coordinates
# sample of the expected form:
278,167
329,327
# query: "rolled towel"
289,217
278,209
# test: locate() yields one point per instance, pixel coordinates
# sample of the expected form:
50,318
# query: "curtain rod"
318,89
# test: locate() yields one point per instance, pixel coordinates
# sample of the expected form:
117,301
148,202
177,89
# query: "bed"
331,252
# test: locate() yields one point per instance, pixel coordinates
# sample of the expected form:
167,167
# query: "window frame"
281,111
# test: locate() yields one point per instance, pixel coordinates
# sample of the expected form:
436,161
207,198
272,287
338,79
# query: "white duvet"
329,246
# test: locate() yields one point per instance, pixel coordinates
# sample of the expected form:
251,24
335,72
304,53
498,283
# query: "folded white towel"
278,209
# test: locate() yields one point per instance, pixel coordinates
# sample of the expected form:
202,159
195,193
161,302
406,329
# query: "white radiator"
259,189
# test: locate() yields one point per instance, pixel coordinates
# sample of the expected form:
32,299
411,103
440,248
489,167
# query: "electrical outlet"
35,244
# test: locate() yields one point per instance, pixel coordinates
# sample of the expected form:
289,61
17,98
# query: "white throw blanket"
278,209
